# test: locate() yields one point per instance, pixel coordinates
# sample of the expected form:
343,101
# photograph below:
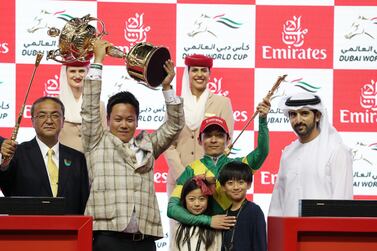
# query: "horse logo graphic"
296,85
205,24
45,18
366,153
363,26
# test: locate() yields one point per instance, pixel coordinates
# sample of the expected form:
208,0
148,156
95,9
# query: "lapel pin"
67,162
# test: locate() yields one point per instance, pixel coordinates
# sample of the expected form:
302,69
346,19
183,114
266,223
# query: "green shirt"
206,165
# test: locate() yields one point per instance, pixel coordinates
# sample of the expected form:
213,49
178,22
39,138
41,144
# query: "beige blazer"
120,186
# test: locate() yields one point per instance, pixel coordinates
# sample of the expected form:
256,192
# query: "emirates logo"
293,34
135,30
368,101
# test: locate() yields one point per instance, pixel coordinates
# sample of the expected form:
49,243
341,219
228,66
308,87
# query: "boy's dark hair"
235,170
122,98
43,99
206,234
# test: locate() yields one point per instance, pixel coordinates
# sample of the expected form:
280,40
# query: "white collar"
44,148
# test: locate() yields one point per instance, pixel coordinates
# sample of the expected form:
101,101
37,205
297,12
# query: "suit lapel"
142,141
39,165
209,104
65,162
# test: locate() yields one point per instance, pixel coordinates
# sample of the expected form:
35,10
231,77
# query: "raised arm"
92,128
163,137
256,158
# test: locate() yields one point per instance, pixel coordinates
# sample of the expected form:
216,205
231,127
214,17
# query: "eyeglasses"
45,116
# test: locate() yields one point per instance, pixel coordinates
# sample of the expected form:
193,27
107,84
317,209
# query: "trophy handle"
112,50
103,31
115,52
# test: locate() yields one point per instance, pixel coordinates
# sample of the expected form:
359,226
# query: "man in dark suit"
26,168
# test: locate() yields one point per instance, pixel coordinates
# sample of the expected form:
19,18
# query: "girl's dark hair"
206,234
235,170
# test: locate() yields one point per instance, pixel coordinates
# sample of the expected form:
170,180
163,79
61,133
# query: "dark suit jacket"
27,175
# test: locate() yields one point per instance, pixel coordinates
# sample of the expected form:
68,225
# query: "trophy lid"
77,62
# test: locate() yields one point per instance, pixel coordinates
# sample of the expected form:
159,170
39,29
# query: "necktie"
52,172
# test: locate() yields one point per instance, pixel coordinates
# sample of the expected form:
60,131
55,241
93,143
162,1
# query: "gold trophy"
144,61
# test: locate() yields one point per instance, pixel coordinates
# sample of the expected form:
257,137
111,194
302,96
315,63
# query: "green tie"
52,172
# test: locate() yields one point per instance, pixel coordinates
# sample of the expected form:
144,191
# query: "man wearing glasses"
43,167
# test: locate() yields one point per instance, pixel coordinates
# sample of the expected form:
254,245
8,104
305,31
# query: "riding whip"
20,115
280,79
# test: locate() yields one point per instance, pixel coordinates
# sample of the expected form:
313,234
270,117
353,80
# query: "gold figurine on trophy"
144,61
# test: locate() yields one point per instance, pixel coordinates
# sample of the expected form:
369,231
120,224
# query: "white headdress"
71,105
328,138
194,107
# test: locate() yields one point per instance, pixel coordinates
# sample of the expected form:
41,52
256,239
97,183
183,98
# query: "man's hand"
99,49
169,68
222,221
264,107
8,148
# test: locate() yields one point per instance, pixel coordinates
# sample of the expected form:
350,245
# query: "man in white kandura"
315,166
